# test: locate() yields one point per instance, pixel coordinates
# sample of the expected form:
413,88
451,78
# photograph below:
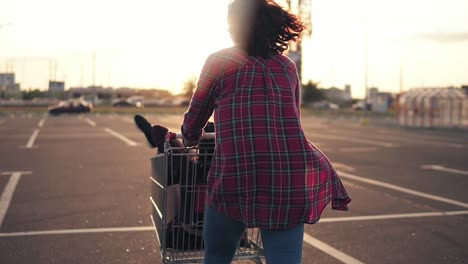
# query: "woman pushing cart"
264,172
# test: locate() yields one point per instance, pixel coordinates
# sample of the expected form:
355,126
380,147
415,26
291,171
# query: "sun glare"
160,44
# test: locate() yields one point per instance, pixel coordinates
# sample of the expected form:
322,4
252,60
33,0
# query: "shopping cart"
178,188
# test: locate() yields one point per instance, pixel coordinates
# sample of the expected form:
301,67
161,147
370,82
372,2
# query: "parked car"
361,105
127,103
71,106
325,105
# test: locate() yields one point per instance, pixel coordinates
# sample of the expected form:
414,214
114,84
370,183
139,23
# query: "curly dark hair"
262,27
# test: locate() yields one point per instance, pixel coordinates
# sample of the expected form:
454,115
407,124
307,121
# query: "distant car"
325,105
126,103
361,105
71,106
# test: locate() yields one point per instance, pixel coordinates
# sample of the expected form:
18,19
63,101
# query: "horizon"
145,45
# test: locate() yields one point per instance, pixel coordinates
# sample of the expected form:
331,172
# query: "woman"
264,172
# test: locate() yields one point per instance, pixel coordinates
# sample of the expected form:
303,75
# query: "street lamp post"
2,26
365,119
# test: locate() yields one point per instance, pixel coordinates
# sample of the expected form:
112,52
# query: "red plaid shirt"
265,172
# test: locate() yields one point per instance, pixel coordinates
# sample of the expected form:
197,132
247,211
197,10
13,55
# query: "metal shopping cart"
178,187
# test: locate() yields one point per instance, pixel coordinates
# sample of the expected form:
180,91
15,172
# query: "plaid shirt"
265,172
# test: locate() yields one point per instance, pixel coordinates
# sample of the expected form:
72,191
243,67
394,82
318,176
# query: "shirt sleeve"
297,88
202,103
298,92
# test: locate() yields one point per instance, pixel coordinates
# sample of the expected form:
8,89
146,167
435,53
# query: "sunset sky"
160,44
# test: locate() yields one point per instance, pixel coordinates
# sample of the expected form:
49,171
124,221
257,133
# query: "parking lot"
75,189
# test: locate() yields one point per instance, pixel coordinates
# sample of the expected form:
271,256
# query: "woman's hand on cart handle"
188,143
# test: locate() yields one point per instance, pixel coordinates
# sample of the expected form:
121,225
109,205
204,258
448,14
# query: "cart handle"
171,136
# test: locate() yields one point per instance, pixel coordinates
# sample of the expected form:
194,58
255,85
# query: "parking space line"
32,139
78,231
444,169
121,137
333,252
341,166
358,149
151,228
343,257
7,194
41,123
11,172
90,122
390,216
423,140
357,140
402,189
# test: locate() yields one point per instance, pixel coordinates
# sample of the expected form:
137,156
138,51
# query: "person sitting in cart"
157,135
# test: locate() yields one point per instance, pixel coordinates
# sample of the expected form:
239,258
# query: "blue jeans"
222,234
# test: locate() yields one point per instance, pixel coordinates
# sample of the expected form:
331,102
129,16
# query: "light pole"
366,63
2,26
365,118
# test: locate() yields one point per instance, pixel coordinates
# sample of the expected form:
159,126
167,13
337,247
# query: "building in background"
338,96
380,102
94,94
347,89
433,107
8,87
56,89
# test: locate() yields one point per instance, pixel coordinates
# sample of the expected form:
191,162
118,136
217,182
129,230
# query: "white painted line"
358,149
7,194
444,169
422,140
32,139
121,137
90,122
153,180
339,255
41,123
357,140
151,228
341,166
78,231
11,172
402,189
390,216
156,207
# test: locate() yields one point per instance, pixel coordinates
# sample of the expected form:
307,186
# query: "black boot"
145,127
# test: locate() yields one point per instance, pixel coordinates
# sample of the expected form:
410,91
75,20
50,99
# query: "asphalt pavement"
75,189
